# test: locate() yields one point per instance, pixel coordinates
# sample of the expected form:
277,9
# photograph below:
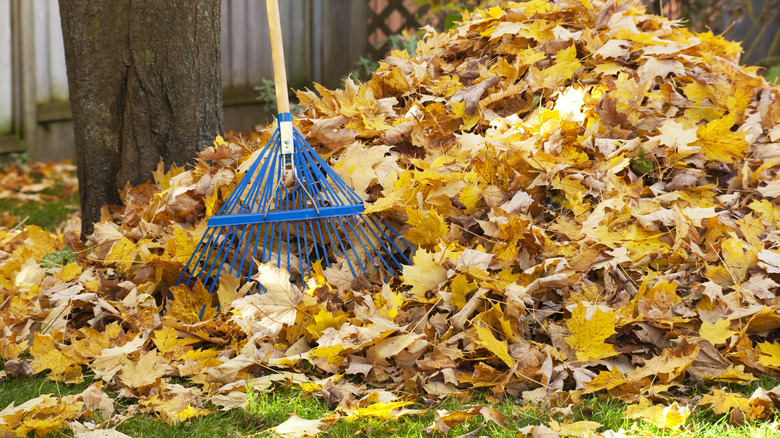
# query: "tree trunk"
145,85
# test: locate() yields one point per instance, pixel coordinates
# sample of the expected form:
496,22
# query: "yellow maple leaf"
734,374
324,319
666,417
606,380
736,262
767,211
167,341
425,274
723,402
566,63
123,253
47,354
43,242
770,355
40,426
183,243
228,288
384,410
671,364
144,372
719,143
70,271
469,120
588,335
190,412
333,353
393,301
191,304
426,227
487,340
717,333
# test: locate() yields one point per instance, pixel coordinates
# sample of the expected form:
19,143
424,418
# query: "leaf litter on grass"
593,194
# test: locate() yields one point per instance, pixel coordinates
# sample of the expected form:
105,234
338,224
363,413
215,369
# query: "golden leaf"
425,273
723,402
190,304
324,319
146,371
606,380
123,253
190,412
488,341
46,353
167,341
717,333
41,427
426,227
671,364
719,143
666,417
588,336
770,355
383,410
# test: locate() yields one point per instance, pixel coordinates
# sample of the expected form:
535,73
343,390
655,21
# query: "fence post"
316,46
344,38
27,74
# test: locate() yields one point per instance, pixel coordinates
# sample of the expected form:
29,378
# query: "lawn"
269,408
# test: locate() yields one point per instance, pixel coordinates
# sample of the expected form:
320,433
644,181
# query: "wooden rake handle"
277,55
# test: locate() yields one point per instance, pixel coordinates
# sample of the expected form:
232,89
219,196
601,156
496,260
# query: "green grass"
57,203
49,214
19,390
267,409
273,408
233,423
773,74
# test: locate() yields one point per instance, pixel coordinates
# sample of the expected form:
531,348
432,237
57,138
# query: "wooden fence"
323,41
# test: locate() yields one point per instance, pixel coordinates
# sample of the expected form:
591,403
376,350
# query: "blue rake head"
292,209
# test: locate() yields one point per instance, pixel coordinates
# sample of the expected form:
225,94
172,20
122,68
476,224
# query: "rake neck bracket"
286,133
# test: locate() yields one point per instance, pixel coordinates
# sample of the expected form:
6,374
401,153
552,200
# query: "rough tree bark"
145,86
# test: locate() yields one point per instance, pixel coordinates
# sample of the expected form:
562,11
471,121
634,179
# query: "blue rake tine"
265,203
293,204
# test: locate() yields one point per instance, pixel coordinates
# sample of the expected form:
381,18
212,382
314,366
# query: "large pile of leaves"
592,191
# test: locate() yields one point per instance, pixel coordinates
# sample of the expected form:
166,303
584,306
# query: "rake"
291,208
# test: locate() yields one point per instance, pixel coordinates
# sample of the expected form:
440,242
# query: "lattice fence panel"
386,18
